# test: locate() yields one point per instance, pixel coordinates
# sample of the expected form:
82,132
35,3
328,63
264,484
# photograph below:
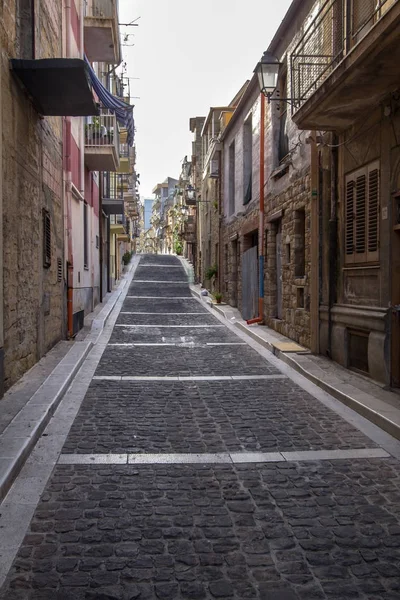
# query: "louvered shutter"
361,218
349,220
373,213
46,239
362,210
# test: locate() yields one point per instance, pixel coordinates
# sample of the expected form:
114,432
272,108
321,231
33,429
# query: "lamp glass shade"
268,72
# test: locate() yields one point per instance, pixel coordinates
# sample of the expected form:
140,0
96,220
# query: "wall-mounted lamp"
267,71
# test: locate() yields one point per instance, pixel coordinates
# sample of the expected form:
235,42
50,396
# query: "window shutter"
46,239
361,218
373,213
349,224
362,212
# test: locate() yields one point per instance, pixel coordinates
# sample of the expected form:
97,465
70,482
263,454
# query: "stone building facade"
32,306
358,166
286,224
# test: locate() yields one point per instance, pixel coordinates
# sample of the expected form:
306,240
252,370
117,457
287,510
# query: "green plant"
126,259
215,204
218,296
178,248
211,272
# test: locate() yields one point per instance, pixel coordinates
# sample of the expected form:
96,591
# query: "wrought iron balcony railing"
333,30
102,131
112,186
101,8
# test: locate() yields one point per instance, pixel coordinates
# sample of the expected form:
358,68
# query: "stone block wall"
34,296
293,204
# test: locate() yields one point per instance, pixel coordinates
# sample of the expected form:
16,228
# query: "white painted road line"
219,457
166,313
188,378
172,326
162,297
180,344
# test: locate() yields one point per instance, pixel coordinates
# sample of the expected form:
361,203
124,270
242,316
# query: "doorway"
278,243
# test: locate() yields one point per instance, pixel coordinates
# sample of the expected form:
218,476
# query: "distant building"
148,208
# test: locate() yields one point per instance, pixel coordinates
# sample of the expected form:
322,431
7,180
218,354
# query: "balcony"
345,63
102,142
112,194
101,31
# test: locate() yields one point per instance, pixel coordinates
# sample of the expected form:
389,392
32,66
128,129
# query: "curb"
98,324
369,413
28,425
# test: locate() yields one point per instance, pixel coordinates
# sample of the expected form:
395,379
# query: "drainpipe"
261,244
315,255
68,133
333,246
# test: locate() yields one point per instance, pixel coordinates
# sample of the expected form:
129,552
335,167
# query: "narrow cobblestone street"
195,468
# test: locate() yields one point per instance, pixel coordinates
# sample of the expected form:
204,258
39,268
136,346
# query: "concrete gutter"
378,411
20,436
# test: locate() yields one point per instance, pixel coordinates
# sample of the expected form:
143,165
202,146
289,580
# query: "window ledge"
280,171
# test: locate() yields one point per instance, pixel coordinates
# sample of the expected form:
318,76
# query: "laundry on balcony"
123,111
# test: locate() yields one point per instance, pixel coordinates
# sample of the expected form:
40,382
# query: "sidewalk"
28,406
360,393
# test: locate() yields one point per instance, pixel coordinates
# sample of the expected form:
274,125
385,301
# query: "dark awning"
57,86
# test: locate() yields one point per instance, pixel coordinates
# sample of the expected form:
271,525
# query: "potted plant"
211,272
218,297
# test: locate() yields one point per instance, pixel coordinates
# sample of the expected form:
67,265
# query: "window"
26,28
247,160
232,178
362,215
46,239
300,243
283,148
85,236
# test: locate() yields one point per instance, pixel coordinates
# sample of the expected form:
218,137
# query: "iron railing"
332,31
105,9
102,131
112,186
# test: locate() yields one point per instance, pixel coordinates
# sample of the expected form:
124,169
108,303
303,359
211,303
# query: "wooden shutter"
362,210
373,213
361,218
349,220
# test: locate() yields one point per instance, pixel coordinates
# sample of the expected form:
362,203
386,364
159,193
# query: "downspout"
68,134
261,244
315,254
220,212
333,246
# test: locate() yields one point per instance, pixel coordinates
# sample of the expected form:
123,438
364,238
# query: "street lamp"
268,71
190,192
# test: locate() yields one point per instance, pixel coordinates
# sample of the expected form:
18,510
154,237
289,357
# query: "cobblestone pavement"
317,529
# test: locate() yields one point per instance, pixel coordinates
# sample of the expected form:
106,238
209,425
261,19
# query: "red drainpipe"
261,244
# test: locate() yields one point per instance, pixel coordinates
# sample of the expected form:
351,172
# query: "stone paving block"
165,319
178,335
163,305
158,290
146,273
206,416
213,531
213,360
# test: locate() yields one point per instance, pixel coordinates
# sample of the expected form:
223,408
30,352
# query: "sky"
188,55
